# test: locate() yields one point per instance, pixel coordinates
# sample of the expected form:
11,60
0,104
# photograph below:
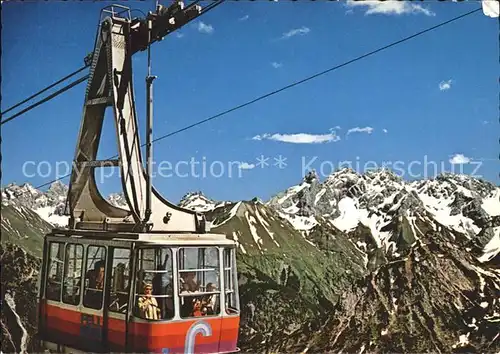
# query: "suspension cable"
57,93
296,83
64,89
45,89
293,84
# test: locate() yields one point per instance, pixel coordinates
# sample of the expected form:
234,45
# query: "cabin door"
117,298
93,310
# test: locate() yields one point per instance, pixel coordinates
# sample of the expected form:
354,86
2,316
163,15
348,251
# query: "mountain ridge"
351,263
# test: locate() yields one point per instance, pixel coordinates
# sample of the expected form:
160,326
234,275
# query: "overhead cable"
205,10
57,93
313,76
45,89
293,84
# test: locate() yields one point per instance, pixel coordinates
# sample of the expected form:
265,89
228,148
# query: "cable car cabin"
169,286
166,293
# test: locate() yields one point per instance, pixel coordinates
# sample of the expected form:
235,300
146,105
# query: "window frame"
84,285
66,265
128,283
177,268
139,268
181,269
233,278
50,260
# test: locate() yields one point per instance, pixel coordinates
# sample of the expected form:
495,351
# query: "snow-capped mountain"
376,201
118,200
353,263
198,202
49,205
379,199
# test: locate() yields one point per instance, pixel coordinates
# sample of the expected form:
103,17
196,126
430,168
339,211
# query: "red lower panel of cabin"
86,332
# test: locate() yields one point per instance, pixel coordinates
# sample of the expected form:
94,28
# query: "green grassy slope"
23,227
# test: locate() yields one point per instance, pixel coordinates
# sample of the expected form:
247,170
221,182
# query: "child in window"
147,304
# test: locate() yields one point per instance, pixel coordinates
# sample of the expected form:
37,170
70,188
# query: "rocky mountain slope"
389,208
353,263
197,201
20,271
24,227
48,205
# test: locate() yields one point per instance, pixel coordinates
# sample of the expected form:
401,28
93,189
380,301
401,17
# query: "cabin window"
230,281
199,281
55,271
72,274
120,280
95,270
154,292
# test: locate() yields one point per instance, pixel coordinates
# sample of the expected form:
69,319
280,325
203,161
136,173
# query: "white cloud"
179,34
300,138
244,18
390,7
246,166
459,159
296,32
367,130
445,85
384,130
491,8
202,27
276,65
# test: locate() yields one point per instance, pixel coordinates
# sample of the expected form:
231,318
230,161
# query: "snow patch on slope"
492,248
319,195
441,211
47,214
349,215
232,213
198,202
292,191
238,244
375,223
491,205
266,226
300,223
253,230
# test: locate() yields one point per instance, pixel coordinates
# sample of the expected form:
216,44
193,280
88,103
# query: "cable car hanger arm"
110,85
165,20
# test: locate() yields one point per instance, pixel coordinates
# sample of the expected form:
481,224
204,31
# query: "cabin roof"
146,238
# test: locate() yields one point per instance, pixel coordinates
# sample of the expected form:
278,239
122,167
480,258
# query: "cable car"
138,293
148,277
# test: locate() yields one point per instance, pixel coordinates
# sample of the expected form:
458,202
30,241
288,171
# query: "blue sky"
433,99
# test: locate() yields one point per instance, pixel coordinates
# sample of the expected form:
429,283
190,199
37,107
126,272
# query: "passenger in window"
187,302
148,306
54,288
198,309
140,280
160,285
188,279
209,301
96,276
169,302
99,282
95,286
119,277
